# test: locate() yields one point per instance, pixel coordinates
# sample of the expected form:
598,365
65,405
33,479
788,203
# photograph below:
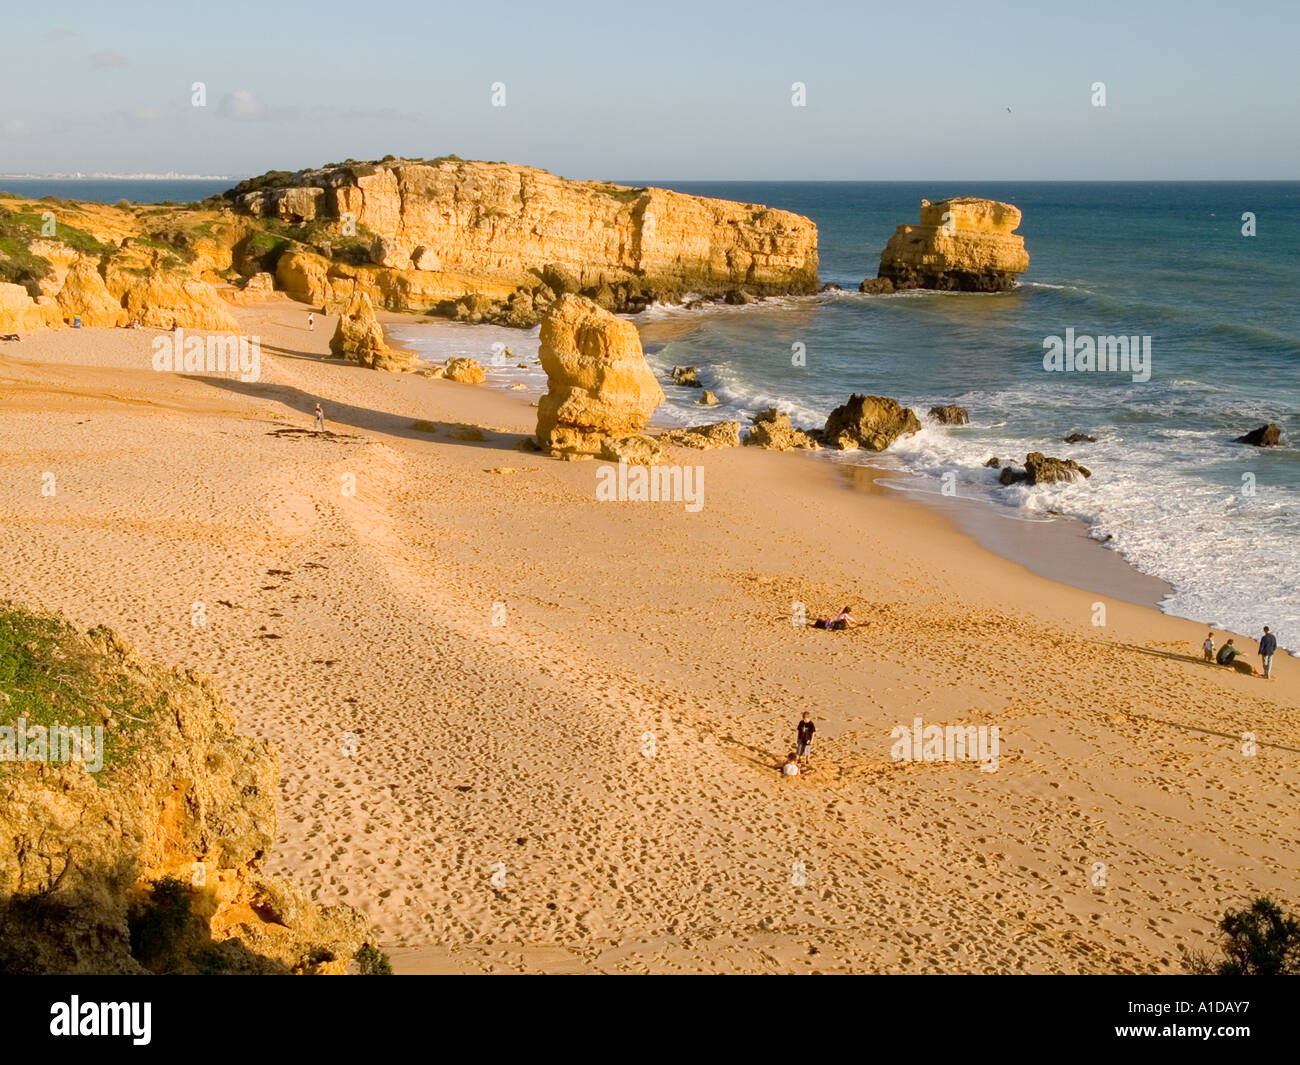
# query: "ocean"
1170,491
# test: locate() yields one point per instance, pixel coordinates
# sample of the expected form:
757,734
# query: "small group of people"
1229,652
799,757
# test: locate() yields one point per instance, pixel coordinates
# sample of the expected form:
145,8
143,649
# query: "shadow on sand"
354,417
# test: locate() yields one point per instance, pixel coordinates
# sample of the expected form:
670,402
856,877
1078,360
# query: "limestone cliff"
516,237
61,261
964,244
143,857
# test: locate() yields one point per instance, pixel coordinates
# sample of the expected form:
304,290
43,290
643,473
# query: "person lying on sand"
791,767
842,620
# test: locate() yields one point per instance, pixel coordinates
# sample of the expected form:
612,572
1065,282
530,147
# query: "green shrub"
157,929
371,961
1260,941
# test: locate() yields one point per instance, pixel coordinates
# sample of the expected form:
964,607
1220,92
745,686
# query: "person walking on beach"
1226,654
311,321
1267,645
1208,647
805,730
320,419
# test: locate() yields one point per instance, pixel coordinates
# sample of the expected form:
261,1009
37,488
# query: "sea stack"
961,245
599,386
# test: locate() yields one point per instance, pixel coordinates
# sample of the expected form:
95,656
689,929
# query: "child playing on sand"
805,731
791,767
1208,647
320,419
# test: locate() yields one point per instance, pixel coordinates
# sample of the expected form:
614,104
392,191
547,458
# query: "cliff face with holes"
449,230
150,861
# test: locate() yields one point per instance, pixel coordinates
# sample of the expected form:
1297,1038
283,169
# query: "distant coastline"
98,176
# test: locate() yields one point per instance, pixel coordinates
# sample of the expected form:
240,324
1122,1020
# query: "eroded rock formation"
182,808
1043,469
599,386
772,430
964,244
359,337
435,232
871,422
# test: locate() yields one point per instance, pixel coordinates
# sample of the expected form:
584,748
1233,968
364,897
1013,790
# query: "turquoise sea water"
1171,492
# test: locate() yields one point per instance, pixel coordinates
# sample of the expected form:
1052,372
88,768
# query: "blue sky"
661,90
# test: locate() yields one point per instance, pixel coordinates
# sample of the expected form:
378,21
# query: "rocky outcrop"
1080,438
84,295
687,376
150,861
876,286
871,422
599,386
1265,436
359,337
950,414
706,437
1041,469
772,430
964,244
445,229
634,450
466,371
20,313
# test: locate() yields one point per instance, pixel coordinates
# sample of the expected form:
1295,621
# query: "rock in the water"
963,244
360,338
993,463
876,286
1040,469
599,386
1265,436
687,376
950,414
1080,438
466,371
707,399
634,450
706,437
872,422
772,430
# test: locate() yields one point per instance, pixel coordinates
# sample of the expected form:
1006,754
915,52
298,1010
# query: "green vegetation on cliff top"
52,675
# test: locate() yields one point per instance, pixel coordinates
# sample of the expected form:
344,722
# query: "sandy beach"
526,730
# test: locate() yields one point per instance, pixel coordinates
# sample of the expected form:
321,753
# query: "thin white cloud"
14,127
107,58
60,33
242,106
140,115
